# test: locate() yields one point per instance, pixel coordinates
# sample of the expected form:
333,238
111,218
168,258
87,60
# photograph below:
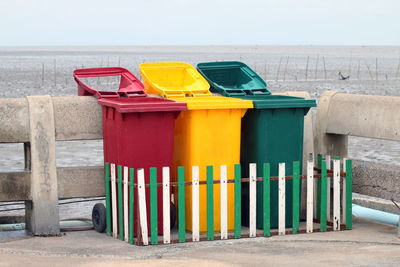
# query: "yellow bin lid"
182,82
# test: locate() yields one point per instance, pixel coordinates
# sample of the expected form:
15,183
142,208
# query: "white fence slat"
310,195
328,189
142,207
253,197
336,195
195,204
224,202
315,197
126,205
281,201
166,205
344,193
114,201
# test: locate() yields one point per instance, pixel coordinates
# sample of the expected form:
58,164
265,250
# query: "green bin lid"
233,78
280,101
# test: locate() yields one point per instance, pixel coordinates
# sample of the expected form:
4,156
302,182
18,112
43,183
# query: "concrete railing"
340,115
40,121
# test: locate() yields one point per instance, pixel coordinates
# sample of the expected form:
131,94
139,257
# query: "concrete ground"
368,244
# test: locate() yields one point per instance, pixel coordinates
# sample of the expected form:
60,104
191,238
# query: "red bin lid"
142,104
130,96
129,86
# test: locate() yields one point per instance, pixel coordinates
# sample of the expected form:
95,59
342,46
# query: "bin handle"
234,92
258,92
129,86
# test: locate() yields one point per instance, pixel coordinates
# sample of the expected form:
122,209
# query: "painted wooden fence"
329,196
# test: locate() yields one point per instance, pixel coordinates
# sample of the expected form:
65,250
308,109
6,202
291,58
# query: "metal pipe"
67,225
376,215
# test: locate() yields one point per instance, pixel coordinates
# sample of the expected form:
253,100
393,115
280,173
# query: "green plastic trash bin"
272,132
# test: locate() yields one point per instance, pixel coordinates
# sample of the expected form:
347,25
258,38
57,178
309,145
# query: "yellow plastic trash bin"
208,133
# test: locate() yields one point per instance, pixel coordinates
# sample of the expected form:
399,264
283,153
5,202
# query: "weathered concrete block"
80,182
14,120
15,186
73,182
77,118
376,179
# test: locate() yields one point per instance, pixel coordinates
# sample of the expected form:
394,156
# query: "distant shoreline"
265,49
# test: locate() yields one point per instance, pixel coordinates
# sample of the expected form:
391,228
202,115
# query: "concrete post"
308,144
41,213
308,147
328,144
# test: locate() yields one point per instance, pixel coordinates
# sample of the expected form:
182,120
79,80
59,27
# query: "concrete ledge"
75,118
364,115
72,182
376,179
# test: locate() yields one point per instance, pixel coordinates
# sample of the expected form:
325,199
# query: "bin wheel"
173,215
99,217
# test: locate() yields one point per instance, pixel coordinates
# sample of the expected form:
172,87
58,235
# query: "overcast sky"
204,22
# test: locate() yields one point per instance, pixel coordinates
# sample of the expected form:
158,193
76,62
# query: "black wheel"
173,215
99,217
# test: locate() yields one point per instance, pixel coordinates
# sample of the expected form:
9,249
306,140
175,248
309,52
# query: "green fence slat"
267,199
323,196
296,197
153,207
319,162
238,202
210,203
108,197
131,204
181,205
349,194
120,205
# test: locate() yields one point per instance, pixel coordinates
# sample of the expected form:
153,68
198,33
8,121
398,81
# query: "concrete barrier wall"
340,115
75,118
34,119
376,180
365,116
38,122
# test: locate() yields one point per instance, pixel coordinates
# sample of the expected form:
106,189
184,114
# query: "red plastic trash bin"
138,130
